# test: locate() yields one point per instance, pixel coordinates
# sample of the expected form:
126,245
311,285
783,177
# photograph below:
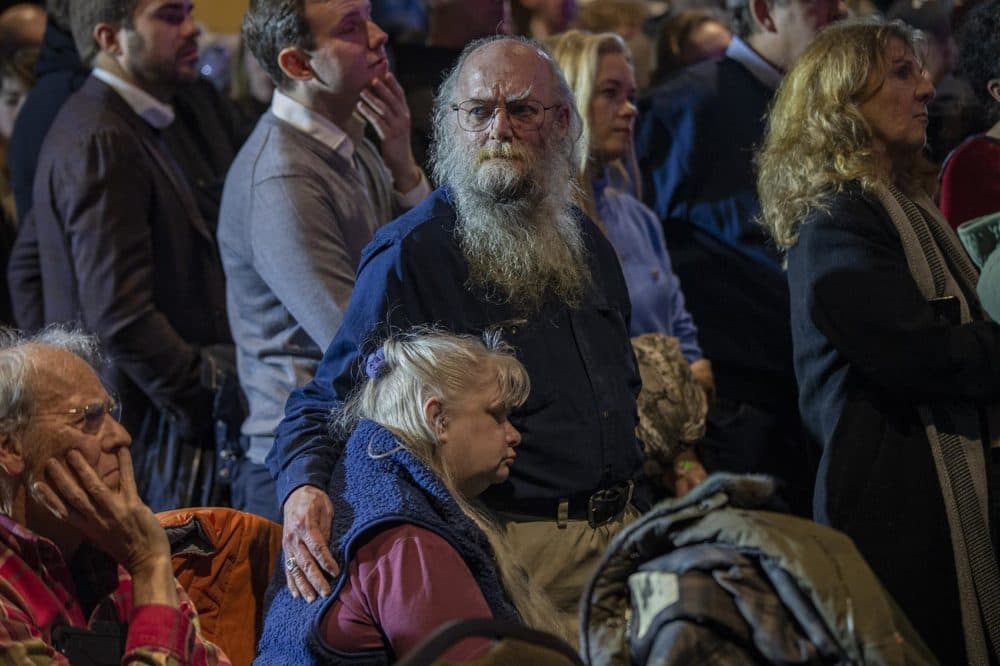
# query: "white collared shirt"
761,69
306,120
326,132
147,107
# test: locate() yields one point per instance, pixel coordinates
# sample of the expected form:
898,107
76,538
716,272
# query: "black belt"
598,508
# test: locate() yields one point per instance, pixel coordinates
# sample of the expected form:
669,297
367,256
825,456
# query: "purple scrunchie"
374,363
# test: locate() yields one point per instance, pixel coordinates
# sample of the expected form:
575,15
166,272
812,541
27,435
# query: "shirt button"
605,413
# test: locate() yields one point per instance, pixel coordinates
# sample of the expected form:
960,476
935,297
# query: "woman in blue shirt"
598,68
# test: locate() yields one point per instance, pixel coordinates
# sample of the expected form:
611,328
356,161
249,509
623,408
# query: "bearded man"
500,247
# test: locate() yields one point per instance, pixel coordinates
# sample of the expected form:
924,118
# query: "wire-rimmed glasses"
475,115
89,417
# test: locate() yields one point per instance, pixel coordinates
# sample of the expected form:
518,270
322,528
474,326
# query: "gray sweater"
295,217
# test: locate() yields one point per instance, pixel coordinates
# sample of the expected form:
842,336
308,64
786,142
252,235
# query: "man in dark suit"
695,141
122,246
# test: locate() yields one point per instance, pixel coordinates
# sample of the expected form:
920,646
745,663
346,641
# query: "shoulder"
682,95
850,219
95,104
972,154
851,207
626,208
424,231
94,118
404,539
276,149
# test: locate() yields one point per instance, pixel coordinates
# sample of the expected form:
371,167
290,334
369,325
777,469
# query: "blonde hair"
817,139
424,363
578,53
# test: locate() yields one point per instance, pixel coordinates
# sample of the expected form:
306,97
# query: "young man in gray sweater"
302,199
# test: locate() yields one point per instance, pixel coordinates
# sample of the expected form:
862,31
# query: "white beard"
515,227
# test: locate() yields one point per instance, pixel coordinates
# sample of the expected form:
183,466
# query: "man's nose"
190,27
500,125
118,435
376,36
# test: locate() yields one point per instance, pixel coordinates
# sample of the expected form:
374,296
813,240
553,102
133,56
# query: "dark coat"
868,349
695,140
60,73
122,249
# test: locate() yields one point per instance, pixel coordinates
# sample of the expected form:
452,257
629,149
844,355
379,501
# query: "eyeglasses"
475,115
90,416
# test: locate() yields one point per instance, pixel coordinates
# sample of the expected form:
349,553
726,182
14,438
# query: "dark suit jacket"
122,249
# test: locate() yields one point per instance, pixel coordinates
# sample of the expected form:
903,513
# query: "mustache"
501,151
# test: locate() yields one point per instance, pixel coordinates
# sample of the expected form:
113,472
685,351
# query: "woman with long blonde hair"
897,366
598,68
429,432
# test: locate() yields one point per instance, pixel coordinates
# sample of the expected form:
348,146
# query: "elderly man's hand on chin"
112,519
308,514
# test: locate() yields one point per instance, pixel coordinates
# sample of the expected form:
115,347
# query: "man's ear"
106,36
993,87
563,118
761,12
11,458
294,62
435,418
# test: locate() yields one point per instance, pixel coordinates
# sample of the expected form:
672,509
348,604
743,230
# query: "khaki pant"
561,560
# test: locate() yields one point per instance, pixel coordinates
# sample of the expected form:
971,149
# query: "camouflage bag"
672,405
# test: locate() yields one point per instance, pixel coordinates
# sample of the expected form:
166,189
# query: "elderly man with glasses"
500,246
85,565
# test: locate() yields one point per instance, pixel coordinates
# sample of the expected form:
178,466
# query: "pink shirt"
404,583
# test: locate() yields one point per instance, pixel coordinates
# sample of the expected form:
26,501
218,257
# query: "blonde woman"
599,70
896,364
430,433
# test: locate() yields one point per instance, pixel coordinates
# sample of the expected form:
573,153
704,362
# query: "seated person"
430,433
82,557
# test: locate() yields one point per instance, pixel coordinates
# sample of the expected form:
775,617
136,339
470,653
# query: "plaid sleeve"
20,640
161,635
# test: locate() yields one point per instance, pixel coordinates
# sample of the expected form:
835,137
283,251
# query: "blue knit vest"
376,483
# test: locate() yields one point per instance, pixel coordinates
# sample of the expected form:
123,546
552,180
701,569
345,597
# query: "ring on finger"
290,564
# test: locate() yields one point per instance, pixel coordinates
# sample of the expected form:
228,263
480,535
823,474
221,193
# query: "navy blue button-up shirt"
578,423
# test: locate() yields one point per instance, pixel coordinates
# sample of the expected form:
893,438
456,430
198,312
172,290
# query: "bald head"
506,68
502,62
21,26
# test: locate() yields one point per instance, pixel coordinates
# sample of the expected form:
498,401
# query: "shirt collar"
306,120
29,546
761,69
147,107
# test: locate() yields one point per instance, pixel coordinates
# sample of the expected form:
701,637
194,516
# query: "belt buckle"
608,504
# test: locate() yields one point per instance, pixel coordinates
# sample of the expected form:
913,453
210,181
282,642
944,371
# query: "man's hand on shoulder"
308,513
